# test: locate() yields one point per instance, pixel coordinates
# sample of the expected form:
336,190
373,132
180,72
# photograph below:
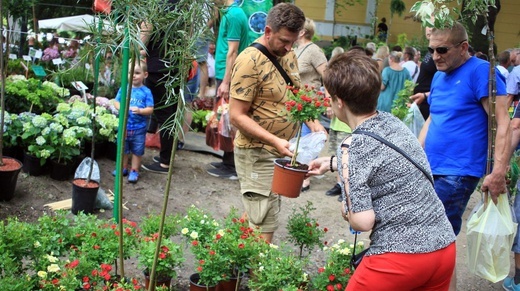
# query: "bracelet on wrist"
331,162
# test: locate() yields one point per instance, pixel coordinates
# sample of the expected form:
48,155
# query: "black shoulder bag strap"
391,145
273,60
355,260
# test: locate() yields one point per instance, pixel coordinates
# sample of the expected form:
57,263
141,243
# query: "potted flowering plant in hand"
303,105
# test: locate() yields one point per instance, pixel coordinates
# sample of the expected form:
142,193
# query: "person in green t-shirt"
233,38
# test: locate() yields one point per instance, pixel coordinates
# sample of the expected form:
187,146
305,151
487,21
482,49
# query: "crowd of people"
409,192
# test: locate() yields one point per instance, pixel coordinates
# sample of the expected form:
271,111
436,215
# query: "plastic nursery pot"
32,165
195,286
160,281
288,181
84,196
9,177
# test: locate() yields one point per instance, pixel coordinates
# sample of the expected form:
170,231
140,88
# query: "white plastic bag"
309,147
414,119
102,201
490,234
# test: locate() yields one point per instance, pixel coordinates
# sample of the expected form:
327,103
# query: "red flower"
321,270
55,281
73,264
346,271
299,107
128,230
338,286
93,234
199,269
94,273
325,229
241,246
332,277
330,288
162,256
106,267
218,236
201,262
195,243
165,249
96,247
212,253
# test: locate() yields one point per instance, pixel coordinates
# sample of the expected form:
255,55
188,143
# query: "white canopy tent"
83,23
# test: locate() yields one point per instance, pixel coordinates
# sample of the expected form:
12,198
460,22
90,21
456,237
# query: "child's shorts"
135,141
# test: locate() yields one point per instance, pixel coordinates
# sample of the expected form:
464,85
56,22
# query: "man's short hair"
504,57
354,78
285,15
456,33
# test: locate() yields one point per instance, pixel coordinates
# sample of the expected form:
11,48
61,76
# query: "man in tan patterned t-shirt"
257,99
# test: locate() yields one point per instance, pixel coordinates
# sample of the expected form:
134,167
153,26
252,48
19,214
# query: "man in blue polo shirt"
455,136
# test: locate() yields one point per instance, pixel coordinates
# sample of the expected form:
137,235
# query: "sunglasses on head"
443,49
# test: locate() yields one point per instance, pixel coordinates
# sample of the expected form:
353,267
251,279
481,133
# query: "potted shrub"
278,268
36,143
170,258
32,95
303,105
304,230
9,167
336,272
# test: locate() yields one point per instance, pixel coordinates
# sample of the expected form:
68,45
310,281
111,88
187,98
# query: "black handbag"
356,259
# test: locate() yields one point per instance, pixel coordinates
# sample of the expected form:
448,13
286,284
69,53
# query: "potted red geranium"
306,104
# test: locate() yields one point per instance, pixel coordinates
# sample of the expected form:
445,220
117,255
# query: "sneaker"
157,159
224,172
216,165
155,168
340,198
125,172
509,284
336,190
133,177
180,145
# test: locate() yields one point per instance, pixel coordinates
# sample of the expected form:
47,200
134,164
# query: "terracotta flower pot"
9,177
288,181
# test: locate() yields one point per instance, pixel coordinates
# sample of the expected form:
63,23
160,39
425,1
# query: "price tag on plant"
57,61
79,86
26,58
38,54
13,56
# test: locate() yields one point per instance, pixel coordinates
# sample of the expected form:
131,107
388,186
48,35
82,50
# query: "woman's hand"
319,166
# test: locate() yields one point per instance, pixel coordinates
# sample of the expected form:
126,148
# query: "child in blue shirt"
141,106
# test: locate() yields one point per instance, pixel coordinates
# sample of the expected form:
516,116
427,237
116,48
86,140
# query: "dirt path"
192,185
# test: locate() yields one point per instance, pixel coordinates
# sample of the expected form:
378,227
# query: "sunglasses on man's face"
443,49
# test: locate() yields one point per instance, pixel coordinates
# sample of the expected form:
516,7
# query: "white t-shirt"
211,65
503,70
413,69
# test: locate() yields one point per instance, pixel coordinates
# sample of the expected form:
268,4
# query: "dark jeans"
163,111
454,192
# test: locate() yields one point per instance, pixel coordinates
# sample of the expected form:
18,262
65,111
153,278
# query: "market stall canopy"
83,23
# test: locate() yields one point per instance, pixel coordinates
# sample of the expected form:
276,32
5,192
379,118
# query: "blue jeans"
454,192
516,209
135,141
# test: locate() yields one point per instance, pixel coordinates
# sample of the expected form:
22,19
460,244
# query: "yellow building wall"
355,14
507,26
313,9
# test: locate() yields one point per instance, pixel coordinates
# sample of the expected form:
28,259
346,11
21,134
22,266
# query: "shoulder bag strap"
273,60
391,145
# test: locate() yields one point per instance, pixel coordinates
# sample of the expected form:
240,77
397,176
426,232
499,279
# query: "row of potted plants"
63,252
59,136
